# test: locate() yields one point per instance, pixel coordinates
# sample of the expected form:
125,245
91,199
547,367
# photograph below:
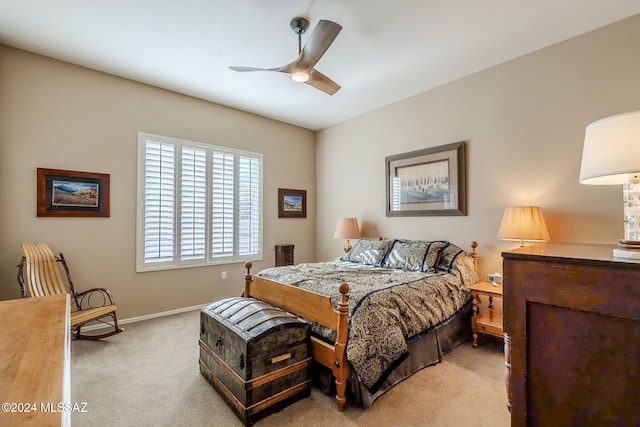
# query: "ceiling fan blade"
245,69
291,67
322,82
317,44
319,41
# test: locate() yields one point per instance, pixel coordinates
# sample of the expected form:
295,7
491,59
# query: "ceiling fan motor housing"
299,24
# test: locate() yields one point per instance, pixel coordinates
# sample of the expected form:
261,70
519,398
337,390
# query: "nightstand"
488,321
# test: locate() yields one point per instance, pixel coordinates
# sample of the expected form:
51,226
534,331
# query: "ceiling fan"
301,70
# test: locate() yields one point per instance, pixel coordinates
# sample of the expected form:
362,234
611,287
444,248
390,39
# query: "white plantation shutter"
198,204
193,205
159,201
249,203
222,212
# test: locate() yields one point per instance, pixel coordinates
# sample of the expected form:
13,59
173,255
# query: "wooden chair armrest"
93,298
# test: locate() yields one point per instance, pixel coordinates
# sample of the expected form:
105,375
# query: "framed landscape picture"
292,203
427,182
72,193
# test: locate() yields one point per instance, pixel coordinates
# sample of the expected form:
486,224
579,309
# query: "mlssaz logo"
63,407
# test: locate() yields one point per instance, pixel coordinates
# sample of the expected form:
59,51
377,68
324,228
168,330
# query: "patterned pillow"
434,254
407,255
456,260
448,255
370,252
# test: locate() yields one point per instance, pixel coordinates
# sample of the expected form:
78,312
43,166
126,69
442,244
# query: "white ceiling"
387,50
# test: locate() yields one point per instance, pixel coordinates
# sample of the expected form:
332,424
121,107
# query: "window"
198,204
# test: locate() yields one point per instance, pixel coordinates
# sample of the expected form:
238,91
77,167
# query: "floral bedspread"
387,307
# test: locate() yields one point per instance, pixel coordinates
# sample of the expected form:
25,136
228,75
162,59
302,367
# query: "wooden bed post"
474,254
248,278
341,365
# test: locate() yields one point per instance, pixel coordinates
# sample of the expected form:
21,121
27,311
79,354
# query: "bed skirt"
424,351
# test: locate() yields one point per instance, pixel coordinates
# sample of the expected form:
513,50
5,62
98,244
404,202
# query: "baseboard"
148,316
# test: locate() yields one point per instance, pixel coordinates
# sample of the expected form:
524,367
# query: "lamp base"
633,245
347,246
629,249
622,253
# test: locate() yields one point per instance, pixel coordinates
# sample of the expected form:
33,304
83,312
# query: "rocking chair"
39,275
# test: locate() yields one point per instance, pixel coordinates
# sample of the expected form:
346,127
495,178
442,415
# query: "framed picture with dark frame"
427,182
72,193
292,203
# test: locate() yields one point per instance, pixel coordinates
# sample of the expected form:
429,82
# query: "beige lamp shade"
611,150
523,223
347,228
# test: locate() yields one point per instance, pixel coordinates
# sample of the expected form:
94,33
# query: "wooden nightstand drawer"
489,321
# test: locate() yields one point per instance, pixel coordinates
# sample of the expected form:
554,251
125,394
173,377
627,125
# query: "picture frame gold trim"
429,182
65,193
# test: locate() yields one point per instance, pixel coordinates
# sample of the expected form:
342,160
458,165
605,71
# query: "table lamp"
523,223
611,156
347,228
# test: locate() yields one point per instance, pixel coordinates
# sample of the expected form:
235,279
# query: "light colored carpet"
149,376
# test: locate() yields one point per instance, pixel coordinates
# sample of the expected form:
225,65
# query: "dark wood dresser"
572,336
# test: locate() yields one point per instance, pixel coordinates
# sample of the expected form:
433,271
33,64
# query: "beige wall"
524,121
57,115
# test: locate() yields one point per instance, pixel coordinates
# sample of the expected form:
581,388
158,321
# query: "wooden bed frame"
317,308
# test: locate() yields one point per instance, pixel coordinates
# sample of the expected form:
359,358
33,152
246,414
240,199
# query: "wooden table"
34,361
487,321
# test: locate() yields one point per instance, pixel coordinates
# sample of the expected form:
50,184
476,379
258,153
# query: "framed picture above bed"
427,182
292,203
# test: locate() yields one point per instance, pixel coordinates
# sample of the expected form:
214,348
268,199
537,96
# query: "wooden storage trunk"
255,355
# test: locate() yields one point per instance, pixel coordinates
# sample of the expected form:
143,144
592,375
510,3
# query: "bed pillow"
370,252
448,255
434,253
455,259
407,255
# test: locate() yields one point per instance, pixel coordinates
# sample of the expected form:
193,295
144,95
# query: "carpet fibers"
149,376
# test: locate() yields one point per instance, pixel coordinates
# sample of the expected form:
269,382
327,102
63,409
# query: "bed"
385,310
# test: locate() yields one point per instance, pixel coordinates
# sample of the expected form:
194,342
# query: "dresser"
572,336
34,361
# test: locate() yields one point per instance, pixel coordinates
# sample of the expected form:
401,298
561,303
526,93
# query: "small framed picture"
72,193
292,203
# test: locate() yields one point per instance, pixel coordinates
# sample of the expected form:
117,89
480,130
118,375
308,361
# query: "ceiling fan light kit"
301,70
300,76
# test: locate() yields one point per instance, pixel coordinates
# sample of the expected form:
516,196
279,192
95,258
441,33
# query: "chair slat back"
41,273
